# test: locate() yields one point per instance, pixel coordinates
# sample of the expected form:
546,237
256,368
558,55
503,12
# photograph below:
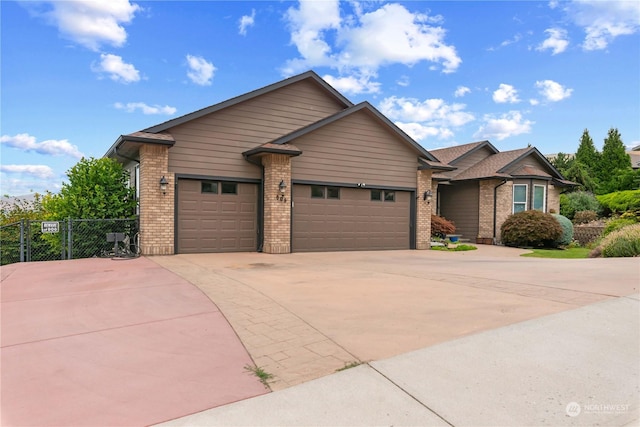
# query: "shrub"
570,203
584,217
616,224
567,230
440,226
621,201
624,242
530,228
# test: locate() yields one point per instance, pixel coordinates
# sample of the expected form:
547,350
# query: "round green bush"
616,224
530,228
624,242
577,201
567,230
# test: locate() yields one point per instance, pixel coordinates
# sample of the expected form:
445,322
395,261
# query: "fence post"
70,239
62,240
28,241
22,240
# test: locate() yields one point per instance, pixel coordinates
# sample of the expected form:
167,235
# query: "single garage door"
216,216
329,218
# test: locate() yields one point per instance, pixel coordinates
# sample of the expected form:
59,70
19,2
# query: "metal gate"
38,240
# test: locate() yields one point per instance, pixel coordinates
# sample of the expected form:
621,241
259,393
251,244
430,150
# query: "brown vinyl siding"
460,203
212,145
355,149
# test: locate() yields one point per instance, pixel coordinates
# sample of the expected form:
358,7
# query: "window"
229,188
389,196
539,197
317,192
333,193
380,195
209,187
519,198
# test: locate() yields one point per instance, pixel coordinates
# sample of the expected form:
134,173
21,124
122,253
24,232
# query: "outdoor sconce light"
163,184
427,196
282,186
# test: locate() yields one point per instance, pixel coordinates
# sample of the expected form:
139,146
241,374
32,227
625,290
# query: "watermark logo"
573,409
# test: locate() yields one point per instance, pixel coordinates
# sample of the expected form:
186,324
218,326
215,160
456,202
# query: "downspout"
495,208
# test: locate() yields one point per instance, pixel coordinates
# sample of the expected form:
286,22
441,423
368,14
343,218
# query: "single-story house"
293,166
487,186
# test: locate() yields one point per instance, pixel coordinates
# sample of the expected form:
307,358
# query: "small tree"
587,154
615,172
97,189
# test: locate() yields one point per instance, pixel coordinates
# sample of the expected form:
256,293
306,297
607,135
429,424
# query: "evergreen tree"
562,162
587,153
615,172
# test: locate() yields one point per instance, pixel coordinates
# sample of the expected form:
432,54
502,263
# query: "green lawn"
559,253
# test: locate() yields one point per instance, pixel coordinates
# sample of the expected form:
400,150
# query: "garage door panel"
210,222
353,222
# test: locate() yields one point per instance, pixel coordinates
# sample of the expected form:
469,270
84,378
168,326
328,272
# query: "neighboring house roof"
456,153
238,99
637,148
635,157
349,111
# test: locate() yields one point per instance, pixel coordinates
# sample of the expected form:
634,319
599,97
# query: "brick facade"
553,199
277,205
156,209
423,211
504,206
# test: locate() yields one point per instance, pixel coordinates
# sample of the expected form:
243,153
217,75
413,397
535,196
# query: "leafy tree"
615,172
580,173
14,209
97,189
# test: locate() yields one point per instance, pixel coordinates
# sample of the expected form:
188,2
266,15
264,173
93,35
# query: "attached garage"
216,216
327,218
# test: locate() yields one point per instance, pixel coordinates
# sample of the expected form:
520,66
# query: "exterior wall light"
282,186
163,184
427,196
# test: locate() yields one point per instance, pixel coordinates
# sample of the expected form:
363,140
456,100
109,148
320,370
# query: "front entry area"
216,216
327,218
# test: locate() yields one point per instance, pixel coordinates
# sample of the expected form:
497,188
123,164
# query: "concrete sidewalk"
578,367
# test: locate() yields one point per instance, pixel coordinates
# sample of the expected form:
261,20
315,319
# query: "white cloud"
603,21
353,84
461,91
200,70
364,42
130,107
38,171
506,93
557,41
89,23
534,101
503,126
431,117
50,147
117,69
246,21
403,81
553,91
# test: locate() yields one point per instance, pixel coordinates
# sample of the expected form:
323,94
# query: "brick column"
277,206
504,206
485,220
553,198
156,209
423,211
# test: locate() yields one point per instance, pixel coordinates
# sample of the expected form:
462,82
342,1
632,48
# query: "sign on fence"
50,227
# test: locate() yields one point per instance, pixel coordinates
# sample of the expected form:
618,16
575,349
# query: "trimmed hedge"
621,201
530,228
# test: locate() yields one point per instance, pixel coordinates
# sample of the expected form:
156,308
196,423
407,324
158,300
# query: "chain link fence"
36,240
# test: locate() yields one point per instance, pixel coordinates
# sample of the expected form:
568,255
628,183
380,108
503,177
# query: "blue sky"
77,74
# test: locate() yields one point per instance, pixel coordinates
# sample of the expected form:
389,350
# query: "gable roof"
363,106
456,153
127,145
309,75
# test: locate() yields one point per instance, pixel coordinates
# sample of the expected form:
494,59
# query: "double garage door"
223,217
347,219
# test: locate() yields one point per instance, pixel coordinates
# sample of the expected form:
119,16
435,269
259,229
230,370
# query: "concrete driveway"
302,316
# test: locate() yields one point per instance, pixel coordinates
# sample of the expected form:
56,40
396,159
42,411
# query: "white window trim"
526,197
544,196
